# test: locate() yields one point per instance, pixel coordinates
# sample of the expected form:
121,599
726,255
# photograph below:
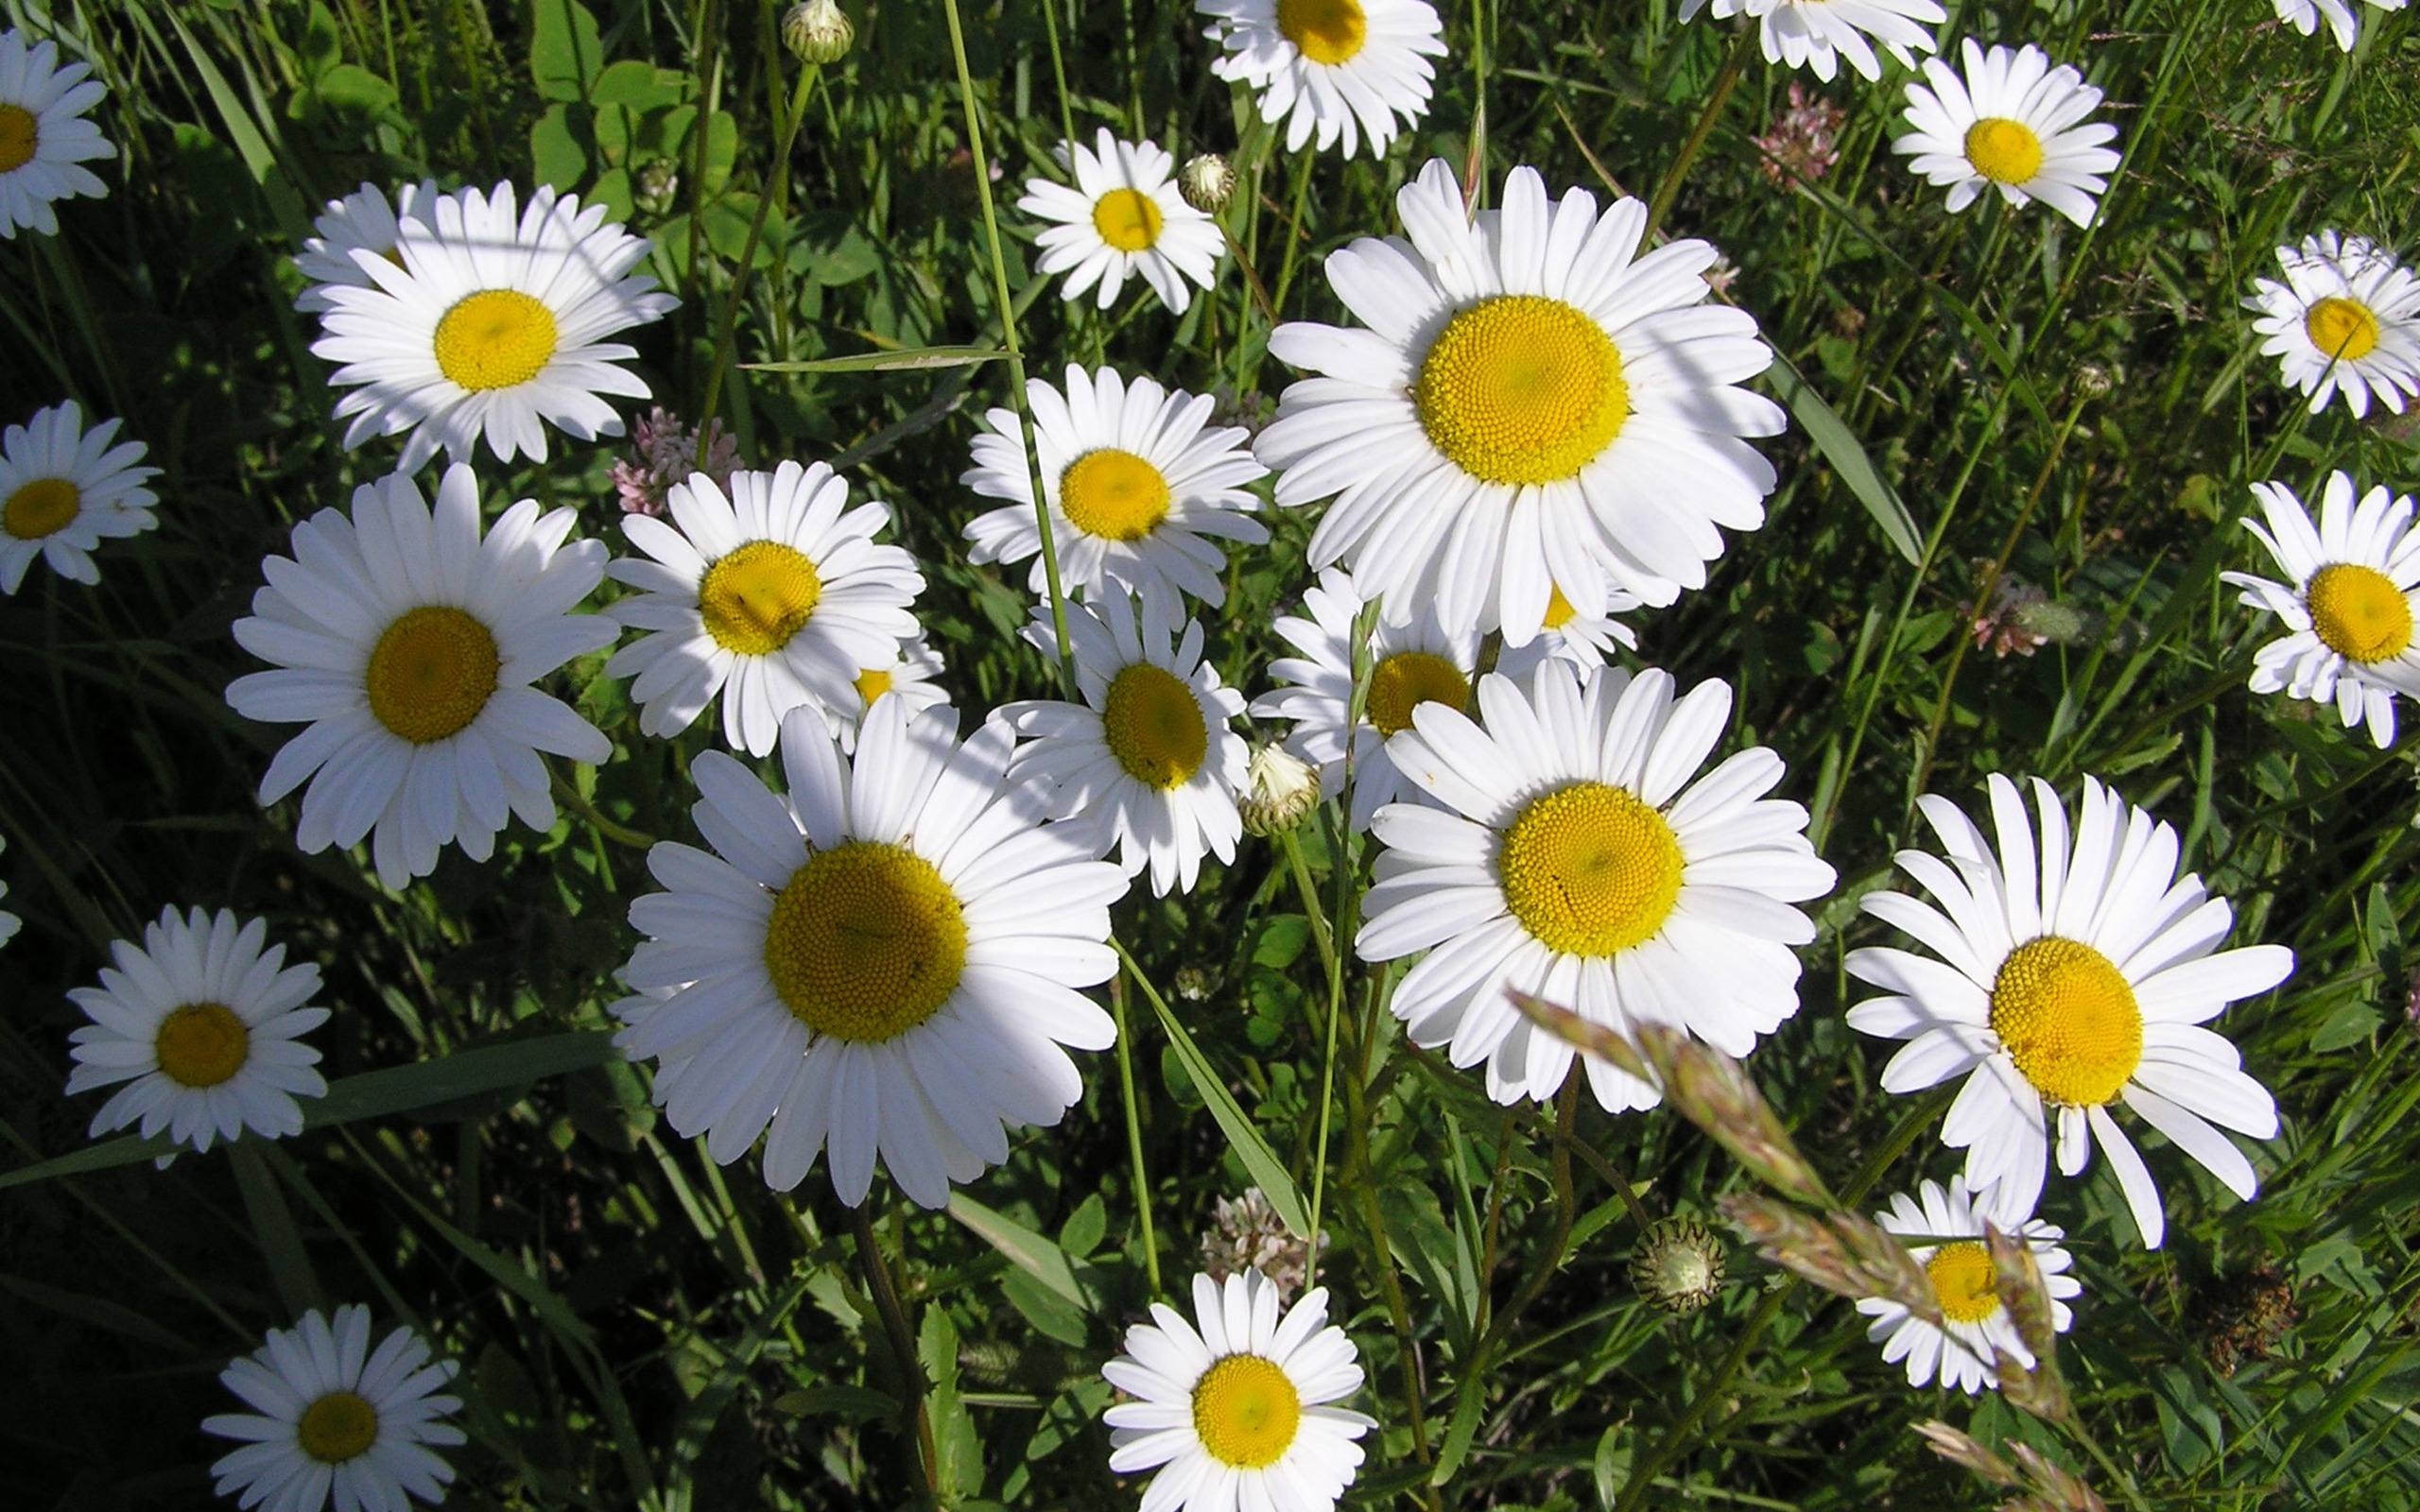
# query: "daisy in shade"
205,1025
1578,862
408,644
362,221
1409,665
1533,407
775,596
887,962
908,676
2353,585
1140,491
44,139
1124,215
490,320
63,490
1330,69
1582,640
1816,34
2346,318
2070,977
2303,16
333,1417
1965,1354
2009,124
1237,1405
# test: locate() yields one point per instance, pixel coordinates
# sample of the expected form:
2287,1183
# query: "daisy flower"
408,644
63,490
907,674
1239,1412
2353,587
1816,34
1578,862
1532,407
362,221
2347,317
205,1024
2066,984
333,1417
2303,15
1140,491
1409,665
44,135
491,320
1965,1354
776,597
1330,69
885,962
1582,640
2009,124
1124,215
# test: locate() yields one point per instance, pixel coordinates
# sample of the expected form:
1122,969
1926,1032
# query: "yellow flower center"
41,507
2359,613
1522,389
497,338
1559,610
1590,869
431,672
1113,494
1128,219
758,596
1155,727
2342,329
337,1427
1964,1280
2069,1018
201,1045
2003,151
1246,1412
20,135
1406,680
1325,31
872,684
865,942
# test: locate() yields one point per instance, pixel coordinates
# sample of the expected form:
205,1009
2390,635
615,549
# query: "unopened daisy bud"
1281,789
1678,1265
1207,182
817,32
2093,380
658,184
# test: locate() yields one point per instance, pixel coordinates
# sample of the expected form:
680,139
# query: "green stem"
903,1345
574,800
1134,1130
1725,82
709,90
1309,889
780,175
1059,71
1334,965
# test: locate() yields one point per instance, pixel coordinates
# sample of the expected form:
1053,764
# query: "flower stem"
575,800
1716,99
1134,1128
903,1345
776,183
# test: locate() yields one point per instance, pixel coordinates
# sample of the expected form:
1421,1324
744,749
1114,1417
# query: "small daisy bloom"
1816,34
1578,862
907,674
1140,491
2071,976
885,962
63,490
2353,587
1409,665
332,1416
1533,407
43,136
362,221
2347,317
2011,125
775,595
1582,640
204,1023
489,320
1150,762
408,644
1330,69
2303,16
1965,1354
1236,1404
1124,215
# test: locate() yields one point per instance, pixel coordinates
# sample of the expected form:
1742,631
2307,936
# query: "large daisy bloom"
1237,1403
1578,862
1409,665
205,1024
775,595
906,674
883,963
63,490
1816,34
2072,974
2303,16
2011,125
1533,407
332,1416
44,139
1124,215
2347,317
1150,762
1965,1354
1140,490
362,221
1330,69
2353,586
489,320
408,644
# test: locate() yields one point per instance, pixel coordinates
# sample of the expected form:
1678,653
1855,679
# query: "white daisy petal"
339,1419
1969,134
1964,1348
64,489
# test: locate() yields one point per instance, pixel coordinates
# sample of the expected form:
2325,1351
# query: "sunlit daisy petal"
1816,34
63,490
45,139
363,221
1585,639
2346,318
2010,123
1967,1353
1330,69
1124,215
2304,15
906,675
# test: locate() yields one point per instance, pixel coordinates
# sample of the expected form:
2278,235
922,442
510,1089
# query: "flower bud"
1281,789
1207,182
817,32
1678,1265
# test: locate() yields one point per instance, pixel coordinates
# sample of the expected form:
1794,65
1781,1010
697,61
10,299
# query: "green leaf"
350,87
1029,1251
838,1399
958,1453
281,1242
914,357
1832,438
98,1310
556,148
1268,1171
641,86
564,53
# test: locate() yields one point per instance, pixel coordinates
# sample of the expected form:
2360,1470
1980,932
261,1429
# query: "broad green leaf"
556,150
1267,1169
281,1242
914,357
350,87
1030,1251
564,53
1832,438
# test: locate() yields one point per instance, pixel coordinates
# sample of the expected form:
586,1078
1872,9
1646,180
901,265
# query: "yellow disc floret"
1964,1280
1113,494
866,941
2342,329
1559,610
1407,679
2359,613
41,507
2069,1018
1155,727
20,137
1246,1412
1325,31
431,672
201,1045
1128,219
872,684
756,597
337,1427
2003,151
1590,869
1522,389
497,338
